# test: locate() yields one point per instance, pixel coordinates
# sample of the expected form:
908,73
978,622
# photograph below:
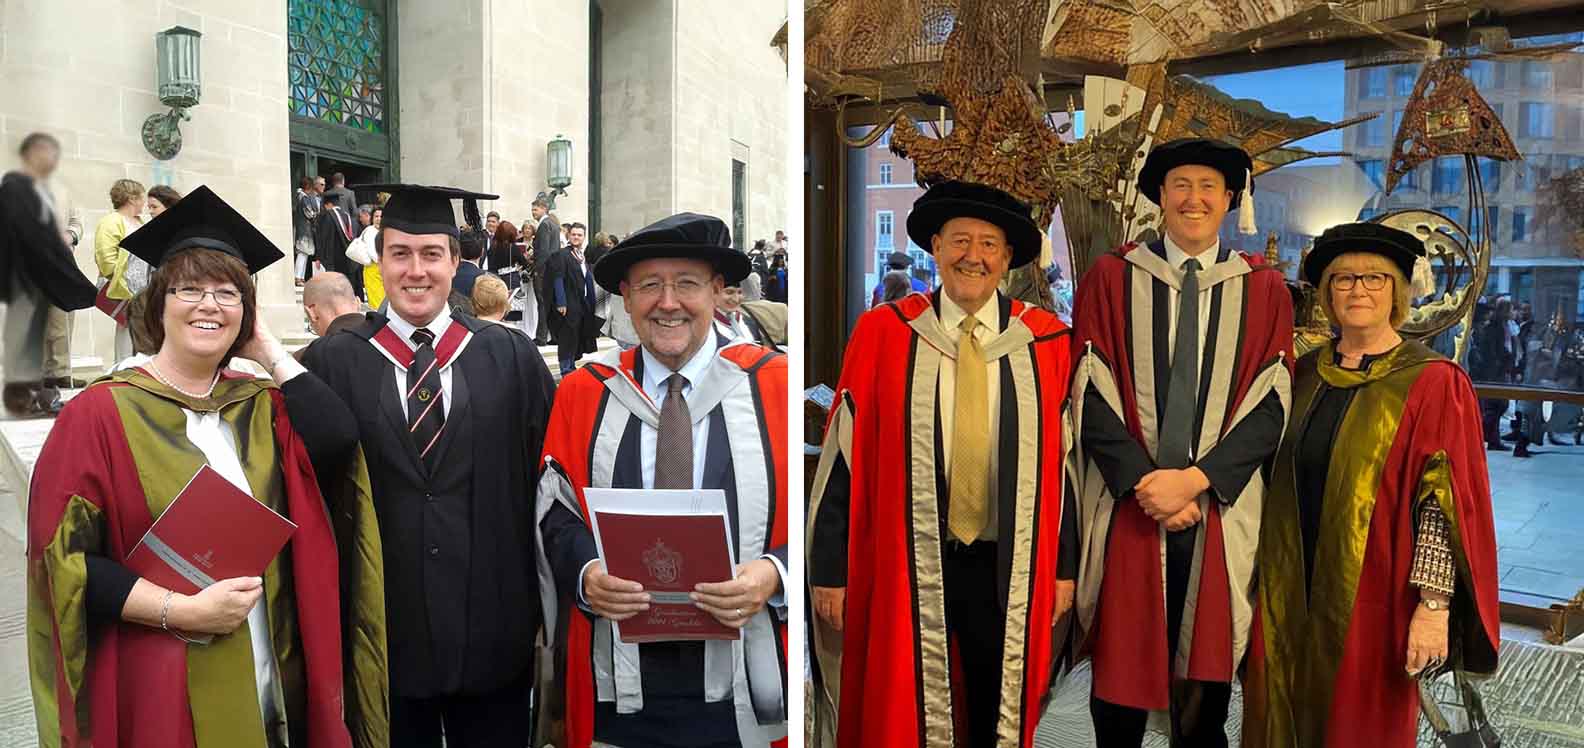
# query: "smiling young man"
451,412
1180,394
687,409
938,503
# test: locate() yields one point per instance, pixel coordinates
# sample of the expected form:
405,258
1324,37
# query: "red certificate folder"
668,555
211,531
116,309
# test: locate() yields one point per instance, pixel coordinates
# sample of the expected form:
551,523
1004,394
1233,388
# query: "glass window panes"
1374,82
1484,74
739,204
1537,74
1375,171
1447,179
1520,224
1536,119
1403,80
885,173
335,62
884,227
1490,174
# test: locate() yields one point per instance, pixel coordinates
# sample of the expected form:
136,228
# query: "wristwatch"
1433,604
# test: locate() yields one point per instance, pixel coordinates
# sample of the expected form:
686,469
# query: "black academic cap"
686,235
202,220
949,200
422,209
1400,247
1233,163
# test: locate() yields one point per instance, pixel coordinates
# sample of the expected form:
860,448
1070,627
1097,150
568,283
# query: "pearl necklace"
154,368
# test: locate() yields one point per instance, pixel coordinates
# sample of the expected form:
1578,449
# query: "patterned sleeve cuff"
1434,568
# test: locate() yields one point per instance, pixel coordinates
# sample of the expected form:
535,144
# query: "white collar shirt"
951,317
404,330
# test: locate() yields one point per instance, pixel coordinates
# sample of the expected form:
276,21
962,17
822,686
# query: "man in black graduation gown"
452,413
332,234
571,283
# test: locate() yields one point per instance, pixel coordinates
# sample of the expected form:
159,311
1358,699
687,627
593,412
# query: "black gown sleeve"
1067,549
319,416
109,584
828,545
1122,460
1232,461
569,545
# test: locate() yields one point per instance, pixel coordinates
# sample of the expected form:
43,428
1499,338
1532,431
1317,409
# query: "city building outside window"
1520,225
1404,79
1537,75
885,174
1375,170
1374,82
884,224
1536,119
1490,174
1447,179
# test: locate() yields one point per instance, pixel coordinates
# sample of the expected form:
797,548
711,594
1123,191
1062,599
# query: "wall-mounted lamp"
179,78
558,167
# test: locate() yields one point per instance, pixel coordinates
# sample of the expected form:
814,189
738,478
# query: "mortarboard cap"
686,235
422,209
202,220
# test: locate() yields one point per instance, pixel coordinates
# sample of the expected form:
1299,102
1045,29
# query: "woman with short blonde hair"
491,300
121,276
1377,549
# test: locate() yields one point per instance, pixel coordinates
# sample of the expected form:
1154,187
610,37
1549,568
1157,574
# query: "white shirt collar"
439,325
655,373
989,315
1176,256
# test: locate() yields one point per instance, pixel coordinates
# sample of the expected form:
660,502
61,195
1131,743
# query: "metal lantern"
179,86
558,163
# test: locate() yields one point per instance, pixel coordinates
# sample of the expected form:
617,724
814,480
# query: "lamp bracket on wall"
162,133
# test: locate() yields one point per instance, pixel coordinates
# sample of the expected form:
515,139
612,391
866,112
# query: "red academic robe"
592,407
131,689
1326,663
1120,348
896,687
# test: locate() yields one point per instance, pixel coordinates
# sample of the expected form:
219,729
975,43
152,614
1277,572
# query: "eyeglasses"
687,288
194,295
1371,281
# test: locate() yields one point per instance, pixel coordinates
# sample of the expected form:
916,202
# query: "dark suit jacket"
577,330
466,273
33,246
461,586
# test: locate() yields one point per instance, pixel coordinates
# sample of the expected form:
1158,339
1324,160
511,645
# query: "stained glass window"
336,62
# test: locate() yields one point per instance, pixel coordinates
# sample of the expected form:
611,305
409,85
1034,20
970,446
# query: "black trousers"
1198,708
977,622
499,719
354,274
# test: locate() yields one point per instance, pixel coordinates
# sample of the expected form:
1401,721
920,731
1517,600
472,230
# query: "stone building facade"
666,102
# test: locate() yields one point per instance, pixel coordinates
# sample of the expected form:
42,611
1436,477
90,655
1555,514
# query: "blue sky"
1303,91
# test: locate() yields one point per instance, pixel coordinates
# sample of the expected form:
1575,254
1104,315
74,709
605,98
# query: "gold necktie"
970,461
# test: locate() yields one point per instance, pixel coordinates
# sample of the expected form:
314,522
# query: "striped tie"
425,408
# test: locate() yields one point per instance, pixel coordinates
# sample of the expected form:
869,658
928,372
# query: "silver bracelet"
165,621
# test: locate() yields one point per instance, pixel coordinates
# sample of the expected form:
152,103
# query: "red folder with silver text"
211,531
667,541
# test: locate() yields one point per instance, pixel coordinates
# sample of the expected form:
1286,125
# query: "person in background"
732,322
344,195
895,285
468,270
121,274
332,233
896,262
546,245
331,306
1489,361
570,278
671,693
161,197
37,271
491,299
502,252
59,322
1377,552
775,287
752,288
305,211
361,251
124,664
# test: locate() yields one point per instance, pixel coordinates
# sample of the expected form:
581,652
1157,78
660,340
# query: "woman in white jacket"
361,251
